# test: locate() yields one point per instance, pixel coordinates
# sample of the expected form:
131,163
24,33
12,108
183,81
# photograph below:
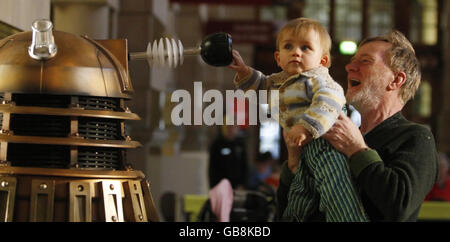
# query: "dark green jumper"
394,176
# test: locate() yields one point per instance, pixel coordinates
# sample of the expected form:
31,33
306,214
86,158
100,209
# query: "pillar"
95,18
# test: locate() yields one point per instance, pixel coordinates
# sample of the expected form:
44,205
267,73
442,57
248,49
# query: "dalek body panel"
62,131
57,195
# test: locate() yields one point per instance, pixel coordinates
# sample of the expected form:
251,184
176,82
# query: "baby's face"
300,53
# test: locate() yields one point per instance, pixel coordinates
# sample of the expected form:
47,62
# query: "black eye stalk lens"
216,49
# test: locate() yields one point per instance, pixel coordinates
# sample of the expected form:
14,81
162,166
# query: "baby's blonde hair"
301,26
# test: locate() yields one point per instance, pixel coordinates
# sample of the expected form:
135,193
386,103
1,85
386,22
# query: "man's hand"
239,65
345,136
299,135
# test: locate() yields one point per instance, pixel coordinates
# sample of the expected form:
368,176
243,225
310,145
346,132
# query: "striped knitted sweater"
312,98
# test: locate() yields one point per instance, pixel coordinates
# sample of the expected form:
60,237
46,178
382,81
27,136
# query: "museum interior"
175,158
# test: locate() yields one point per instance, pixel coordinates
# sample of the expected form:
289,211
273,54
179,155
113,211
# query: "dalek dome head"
70,65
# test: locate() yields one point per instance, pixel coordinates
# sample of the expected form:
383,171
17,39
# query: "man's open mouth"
354,82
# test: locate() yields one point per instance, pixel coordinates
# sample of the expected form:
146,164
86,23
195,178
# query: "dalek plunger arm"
215,50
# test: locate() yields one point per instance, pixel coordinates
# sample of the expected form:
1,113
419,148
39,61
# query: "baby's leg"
339,199
303,200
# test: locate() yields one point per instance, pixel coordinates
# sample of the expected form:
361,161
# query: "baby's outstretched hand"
239,65
299,135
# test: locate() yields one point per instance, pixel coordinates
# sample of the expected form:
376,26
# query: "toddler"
310,102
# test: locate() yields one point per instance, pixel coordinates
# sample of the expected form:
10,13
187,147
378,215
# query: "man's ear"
399,80
276,55
324,61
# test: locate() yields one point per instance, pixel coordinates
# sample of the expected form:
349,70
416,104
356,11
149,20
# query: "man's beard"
368,97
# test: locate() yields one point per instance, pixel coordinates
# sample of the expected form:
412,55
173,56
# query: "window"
348,20
423,100
429,21
318,10
269,136
424,24
381,14
273,13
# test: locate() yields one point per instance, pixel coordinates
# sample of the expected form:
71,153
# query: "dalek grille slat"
58,156
99,103
40,125
95,128
64,101
99,158
46,156
39,100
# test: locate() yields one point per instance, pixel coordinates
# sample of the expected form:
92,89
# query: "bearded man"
393,160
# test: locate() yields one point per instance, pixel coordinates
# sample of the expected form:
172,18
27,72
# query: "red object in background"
439,194
241,109
273,181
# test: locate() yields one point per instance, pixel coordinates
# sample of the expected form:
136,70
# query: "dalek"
63,140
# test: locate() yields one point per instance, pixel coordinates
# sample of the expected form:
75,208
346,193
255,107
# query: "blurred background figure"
441,190
168,206
264,172
228,158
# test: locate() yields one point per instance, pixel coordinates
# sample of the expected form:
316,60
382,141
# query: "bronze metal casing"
63,140
81,67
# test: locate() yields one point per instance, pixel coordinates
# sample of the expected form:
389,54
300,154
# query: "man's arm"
398,186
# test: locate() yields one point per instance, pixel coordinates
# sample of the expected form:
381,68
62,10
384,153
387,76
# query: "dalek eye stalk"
63,144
